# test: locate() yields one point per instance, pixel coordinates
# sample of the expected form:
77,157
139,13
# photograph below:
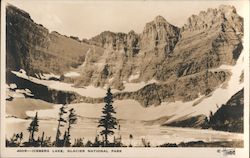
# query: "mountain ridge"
162,52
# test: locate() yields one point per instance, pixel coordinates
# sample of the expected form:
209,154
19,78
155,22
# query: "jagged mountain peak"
224,17
227,8
160,18
131,32
105,33
161,34
157,22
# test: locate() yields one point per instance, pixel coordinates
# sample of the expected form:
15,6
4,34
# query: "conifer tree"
20,138
71,120
130,138
60,121
108,122
33,128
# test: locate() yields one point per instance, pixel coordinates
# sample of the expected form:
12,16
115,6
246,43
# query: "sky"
86,19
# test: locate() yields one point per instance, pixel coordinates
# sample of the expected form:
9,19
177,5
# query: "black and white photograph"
112,78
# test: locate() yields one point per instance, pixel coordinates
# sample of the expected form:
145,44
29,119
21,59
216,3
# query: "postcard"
124,78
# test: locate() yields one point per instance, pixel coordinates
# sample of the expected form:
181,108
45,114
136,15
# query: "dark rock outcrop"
229,117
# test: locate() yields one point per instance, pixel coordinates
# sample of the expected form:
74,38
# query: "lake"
87,128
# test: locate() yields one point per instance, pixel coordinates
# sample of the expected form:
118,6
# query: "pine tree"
20,138
211,116
60,120
64,141
33,128
13,141
71,120
42,140
108,122
130,138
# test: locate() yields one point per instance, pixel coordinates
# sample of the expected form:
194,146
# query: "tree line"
66,119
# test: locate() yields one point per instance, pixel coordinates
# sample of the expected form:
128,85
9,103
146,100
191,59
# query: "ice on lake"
87,128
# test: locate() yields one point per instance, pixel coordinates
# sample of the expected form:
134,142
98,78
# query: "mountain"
162,65
177,58
32,47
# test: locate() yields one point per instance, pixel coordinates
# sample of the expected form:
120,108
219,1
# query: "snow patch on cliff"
133,77
72,74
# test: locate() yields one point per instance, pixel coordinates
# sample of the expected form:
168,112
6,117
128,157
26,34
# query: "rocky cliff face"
178,60
160,35
19,38
223,29
225,17
117,41
157,34
31,47
170,55
185,89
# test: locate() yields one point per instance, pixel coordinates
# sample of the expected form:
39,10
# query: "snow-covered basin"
125,109
87,128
